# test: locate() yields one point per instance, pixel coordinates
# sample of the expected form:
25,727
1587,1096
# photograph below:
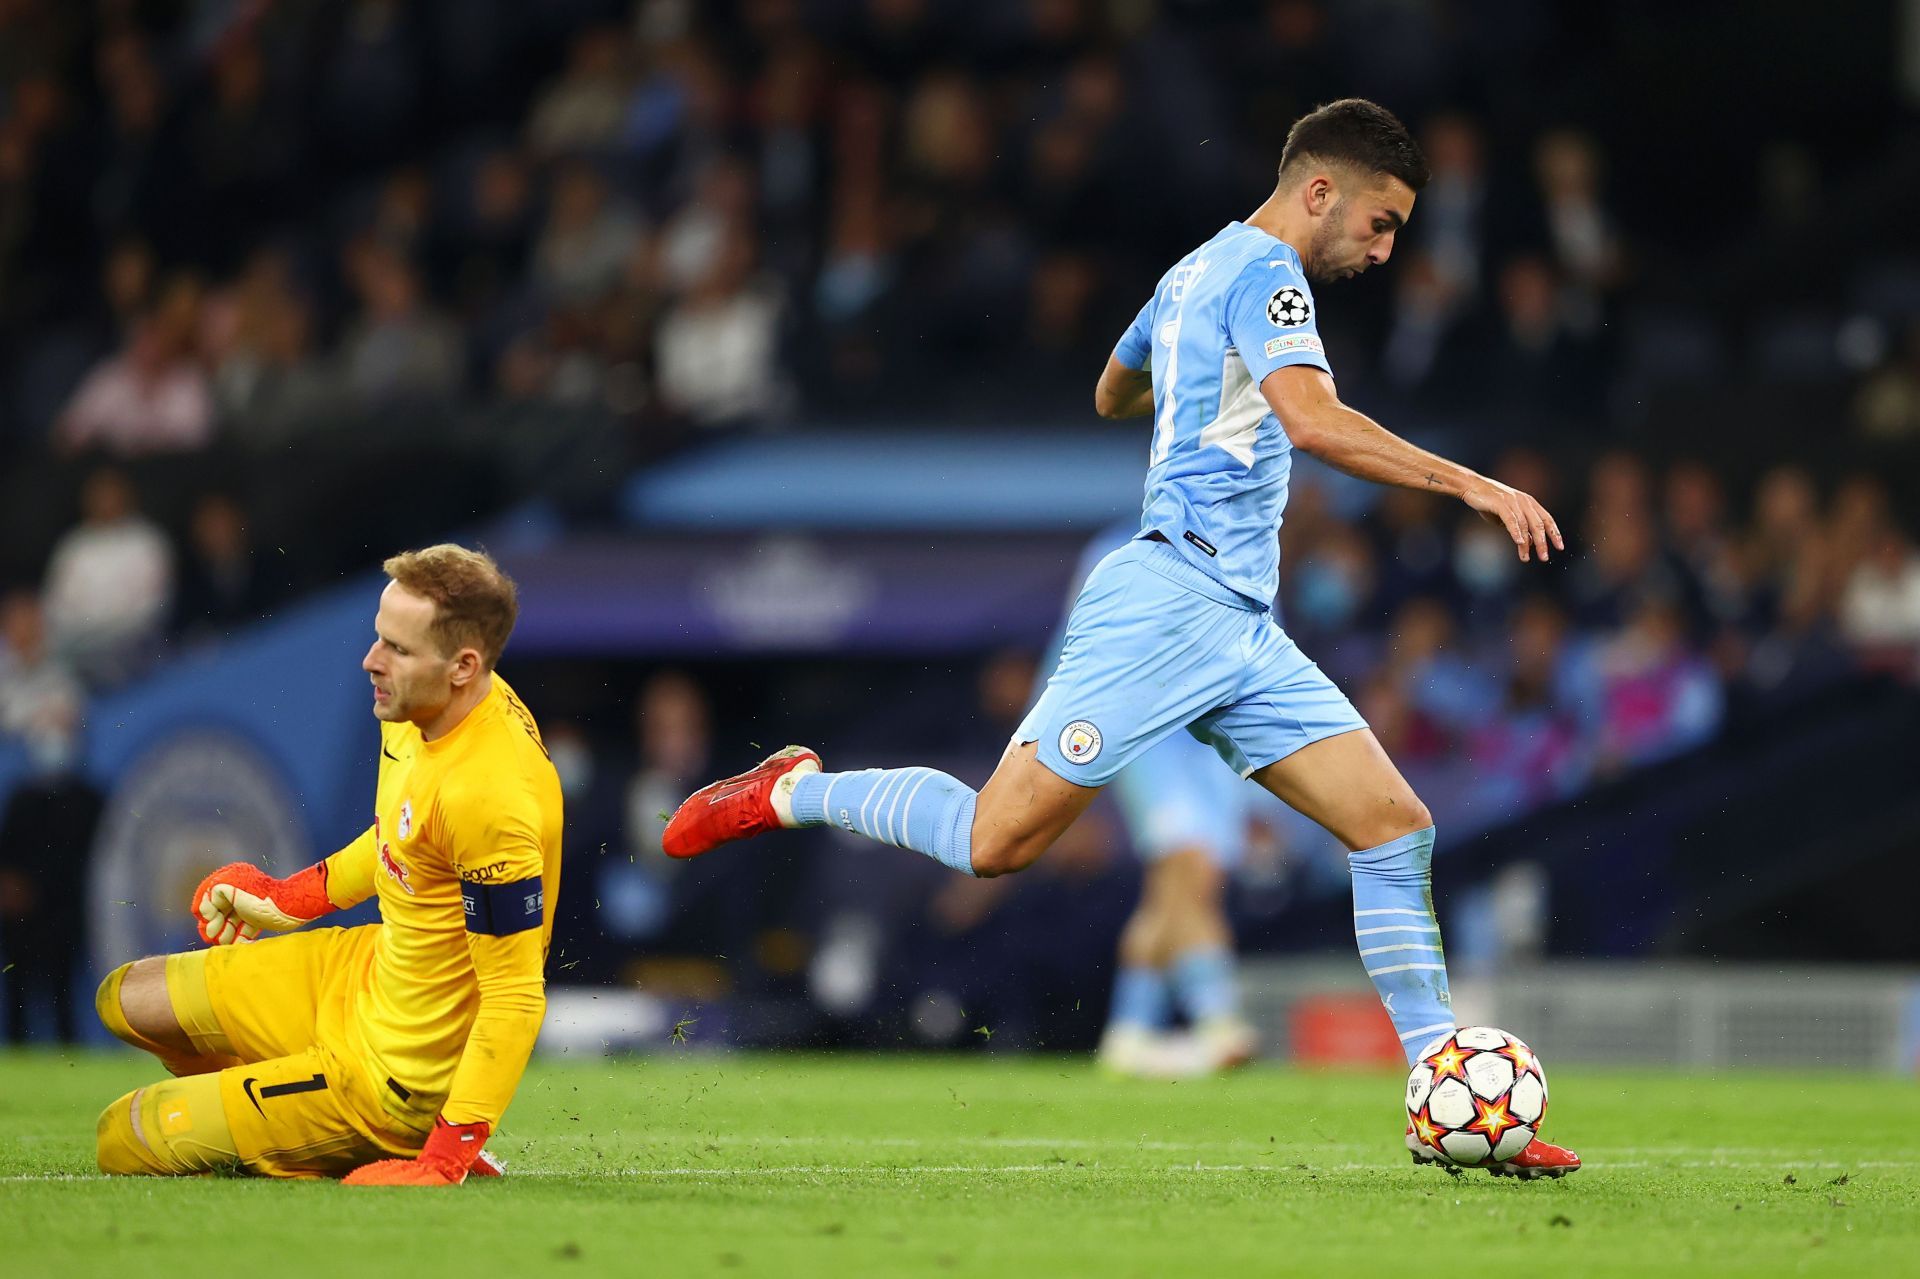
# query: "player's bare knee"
1401,815
110,1005
145,1003
1415,814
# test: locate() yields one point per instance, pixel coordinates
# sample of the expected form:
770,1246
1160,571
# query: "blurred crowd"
248,218
1680,606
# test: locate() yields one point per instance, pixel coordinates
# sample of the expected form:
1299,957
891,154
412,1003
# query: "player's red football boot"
1539,1159
753,803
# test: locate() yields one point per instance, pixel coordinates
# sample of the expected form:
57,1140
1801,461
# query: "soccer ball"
1476,1096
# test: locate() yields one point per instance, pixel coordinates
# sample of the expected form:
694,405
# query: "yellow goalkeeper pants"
294,1106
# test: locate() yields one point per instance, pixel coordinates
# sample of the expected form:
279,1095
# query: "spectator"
489,242
1657,698
1880,607
690,245
41,702
1410,546
241,149
1702,544
222,584
673,726
1531,752
1422,352
153,396
47,824
398,347
1445,688
1537,360
583,110
46,831
127,276
266,381
1451,229
1581,233
586,240
1781,557
717,350
109,583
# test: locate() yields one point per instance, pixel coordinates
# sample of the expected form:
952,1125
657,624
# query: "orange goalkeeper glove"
238,902
450,1154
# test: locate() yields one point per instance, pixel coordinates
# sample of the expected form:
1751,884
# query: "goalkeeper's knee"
112,1011
167,1129
113,1015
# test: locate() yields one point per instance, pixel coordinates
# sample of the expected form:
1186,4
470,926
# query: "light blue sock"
1142,999
1400,938
918,808
1206,983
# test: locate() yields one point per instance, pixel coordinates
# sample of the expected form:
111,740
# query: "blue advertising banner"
792,594
917,479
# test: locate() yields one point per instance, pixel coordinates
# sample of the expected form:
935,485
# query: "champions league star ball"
1476,1096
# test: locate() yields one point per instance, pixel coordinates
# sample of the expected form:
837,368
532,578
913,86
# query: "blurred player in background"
388,1051
1187,814
1175,630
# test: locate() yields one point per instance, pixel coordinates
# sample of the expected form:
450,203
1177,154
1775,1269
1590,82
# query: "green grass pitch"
710,1164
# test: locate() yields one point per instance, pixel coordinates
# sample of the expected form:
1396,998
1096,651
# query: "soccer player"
389,1051
1175,630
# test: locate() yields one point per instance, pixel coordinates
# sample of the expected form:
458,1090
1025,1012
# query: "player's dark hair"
1358,134
474,603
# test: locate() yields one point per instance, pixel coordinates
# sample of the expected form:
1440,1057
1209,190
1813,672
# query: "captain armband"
500,910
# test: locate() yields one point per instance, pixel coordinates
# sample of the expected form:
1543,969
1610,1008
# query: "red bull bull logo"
394,867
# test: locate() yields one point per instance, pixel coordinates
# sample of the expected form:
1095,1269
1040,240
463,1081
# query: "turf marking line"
988,1170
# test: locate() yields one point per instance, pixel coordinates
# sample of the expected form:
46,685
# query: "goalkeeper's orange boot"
757,801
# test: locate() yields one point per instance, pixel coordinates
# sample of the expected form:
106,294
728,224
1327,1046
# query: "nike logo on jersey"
389,754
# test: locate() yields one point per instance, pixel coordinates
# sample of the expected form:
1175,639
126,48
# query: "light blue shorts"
1178,796
1154,645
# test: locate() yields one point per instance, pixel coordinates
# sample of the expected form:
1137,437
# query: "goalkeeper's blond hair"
474,603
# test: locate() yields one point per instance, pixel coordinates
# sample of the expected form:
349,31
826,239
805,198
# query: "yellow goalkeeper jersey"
464,853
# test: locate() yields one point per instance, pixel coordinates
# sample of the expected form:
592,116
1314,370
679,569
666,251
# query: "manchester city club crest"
1080,742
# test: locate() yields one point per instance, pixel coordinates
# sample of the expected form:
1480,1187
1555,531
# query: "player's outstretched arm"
1123,392
1304,399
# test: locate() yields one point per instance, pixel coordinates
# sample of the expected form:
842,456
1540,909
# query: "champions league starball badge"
1289,308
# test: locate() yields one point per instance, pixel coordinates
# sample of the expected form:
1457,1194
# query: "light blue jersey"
1176,629
1228,314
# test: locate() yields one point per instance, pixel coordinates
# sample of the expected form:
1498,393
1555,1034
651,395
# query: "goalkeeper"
385,1053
